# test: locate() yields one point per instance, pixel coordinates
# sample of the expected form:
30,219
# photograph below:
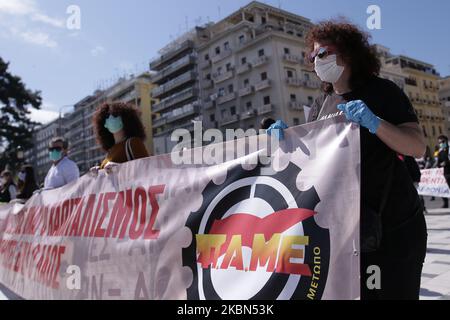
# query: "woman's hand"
357,111
94,171
109,167
278,129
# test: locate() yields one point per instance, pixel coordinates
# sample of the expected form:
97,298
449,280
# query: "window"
217,50
290,74
244,60
208,76
307,76
296,122
221,92
266,100
287,51
206,57
246,83
226,46
223,112
248,105
263,20
233,110
293,98
261,53
212,117
241,39
219,70
230,88
433,130
440,130
263,76
228,66
310,100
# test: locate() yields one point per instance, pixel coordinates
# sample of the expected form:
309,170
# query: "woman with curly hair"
393,228
120,133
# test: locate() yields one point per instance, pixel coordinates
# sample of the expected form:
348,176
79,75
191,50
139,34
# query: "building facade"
254,66
444,96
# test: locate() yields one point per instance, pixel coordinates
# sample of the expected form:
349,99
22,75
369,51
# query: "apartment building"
177,89
422,88
444,96
253,66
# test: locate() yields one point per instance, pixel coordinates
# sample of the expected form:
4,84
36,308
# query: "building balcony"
245,91
175,99
243,68
178,81
296,105
260,61
262,85
207,84
205,64
223,77
295,82
177,65
159,122
291,58
267,108
312,84
248,114
158,63
183,112
229,120
208,105
226,98
224,54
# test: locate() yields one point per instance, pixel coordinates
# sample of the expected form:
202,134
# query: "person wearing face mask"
443,161
8,190
393,229
120,133
63,171
27,183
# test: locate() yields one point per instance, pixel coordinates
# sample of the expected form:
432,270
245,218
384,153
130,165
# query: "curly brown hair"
131,118
353,45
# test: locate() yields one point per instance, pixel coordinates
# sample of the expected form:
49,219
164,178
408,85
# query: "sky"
118,37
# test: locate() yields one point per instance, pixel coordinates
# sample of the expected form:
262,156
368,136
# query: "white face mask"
327,69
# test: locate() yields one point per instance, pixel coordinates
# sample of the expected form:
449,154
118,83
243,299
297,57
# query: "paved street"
436,272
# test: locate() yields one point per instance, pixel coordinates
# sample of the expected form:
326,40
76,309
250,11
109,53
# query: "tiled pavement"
436,271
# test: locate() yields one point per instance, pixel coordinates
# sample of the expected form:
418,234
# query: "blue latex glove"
357,111
278,129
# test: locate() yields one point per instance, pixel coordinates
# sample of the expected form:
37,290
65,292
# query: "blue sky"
119,36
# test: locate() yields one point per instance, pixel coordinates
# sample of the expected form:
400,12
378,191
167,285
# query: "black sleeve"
397,105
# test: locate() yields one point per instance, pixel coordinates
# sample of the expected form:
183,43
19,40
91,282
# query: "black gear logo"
273,288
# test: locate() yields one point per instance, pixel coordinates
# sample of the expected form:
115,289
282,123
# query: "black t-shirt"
378,161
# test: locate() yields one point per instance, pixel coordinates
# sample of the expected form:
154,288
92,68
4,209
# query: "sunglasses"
51,149
321,53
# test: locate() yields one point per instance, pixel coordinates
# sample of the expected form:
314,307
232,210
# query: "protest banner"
234,230
433,183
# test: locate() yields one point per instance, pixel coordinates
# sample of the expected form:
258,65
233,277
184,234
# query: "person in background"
120,133
8,190
266,123
63,171
443,161
27,183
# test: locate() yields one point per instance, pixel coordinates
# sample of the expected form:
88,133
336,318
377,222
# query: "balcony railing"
205,64
248,114
207,84
159,122
224,54
293,59
229,119
312,84
245,91
296,105
185,111
226,98
185,61
295,82
260,61
265,109
171,53
174,99
185,77
243,68
220,77
208,105
262,85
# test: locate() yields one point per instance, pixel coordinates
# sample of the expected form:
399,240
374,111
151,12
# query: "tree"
15,125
